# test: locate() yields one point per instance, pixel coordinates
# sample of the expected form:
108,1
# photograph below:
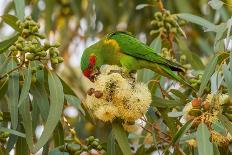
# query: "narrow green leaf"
40,98
215,149
164,103
67,89
182,131
75,102
111,144
35,114
21,147
228,80
13,92
192,58
156,44
203,143
24,110
19,7
55,111
11,20
3,66
196,20
225,122
4,45
3,86
13,132
121,137
58,135
26,85
209,70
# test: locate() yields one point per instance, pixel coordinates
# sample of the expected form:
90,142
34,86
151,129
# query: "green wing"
133,47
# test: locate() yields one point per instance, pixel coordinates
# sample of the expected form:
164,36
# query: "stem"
160,5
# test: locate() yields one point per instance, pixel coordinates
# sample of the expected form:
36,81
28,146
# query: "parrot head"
90,63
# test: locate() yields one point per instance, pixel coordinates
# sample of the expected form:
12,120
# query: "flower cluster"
117,95
207,111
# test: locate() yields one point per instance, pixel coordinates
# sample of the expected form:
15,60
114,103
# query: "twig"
160,5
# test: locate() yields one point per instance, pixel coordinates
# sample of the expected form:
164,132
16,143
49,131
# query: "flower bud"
30,56
60,59
54,60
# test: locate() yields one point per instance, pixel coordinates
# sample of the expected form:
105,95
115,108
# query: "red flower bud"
86,72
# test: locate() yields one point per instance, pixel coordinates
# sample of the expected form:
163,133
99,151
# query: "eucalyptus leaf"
20,7
182,131
13,132
27,121
13,92
156,44
55,111
226,123
4,45
209,70
215,4
11,20
26,85
111,144
75,102
203,143
121,137
196,20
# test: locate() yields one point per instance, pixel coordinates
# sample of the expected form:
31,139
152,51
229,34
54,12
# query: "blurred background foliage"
76,24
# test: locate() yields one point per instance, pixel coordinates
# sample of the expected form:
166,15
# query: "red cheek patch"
92,60
86,72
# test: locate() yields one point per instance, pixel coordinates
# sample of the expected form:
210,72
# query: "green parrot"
120,48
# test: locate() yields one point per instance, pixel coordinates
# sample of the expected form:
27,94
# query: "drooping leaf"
13,92
75,102
203,143
192,58
3,86
182,131
215,4
13,132
26,85
121,137
209,70
20,8
21,147
215,149
11,20
164,103
24,110
55,111
111,144
58,135
225,122
4,45
40,98
156,44
196,20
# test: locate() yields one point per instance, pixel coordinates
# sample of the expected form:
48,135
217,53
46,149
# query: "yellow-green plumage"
120,48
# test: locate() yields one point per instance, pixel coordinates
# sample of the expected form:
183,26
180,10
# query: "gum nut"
195,112
60,59
90,91
98,94
206,106
94,143
56,44
99,147
30,56
91,138
196,102
54,60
